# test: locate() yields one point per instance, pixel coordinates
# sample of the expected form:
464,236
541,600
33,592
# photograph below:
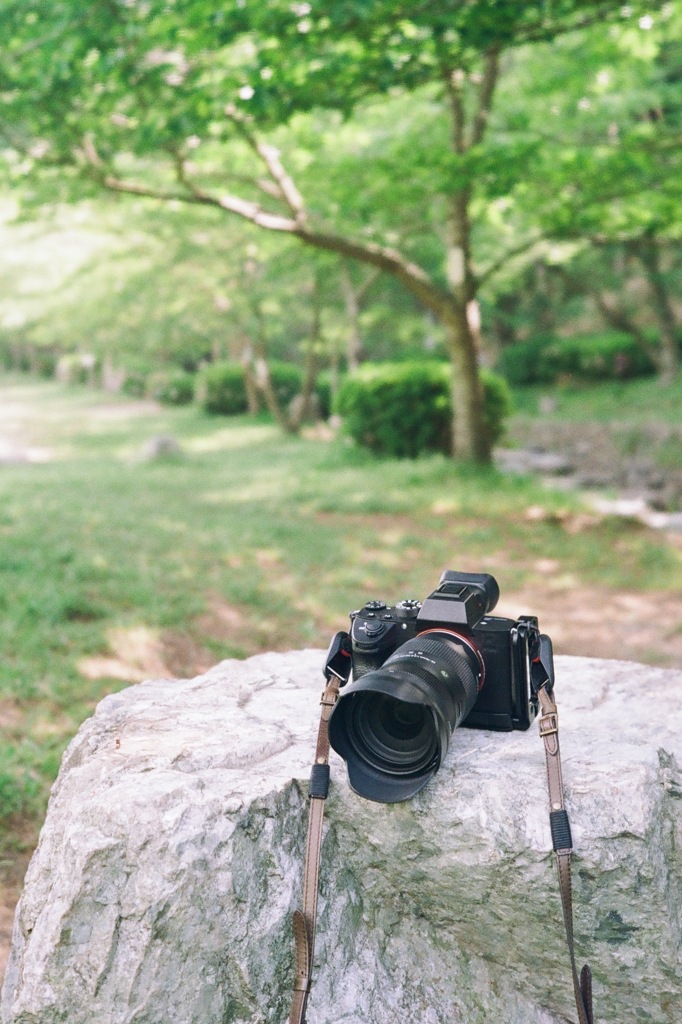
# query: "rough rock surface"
171,858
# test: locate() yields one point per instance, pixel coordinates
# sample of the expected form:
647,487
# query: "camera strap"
304,921
562,843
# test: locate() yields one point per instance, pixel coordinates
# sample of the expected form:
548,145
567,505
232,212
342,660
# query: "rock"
530,460
640,510
161,447
547,404
172,854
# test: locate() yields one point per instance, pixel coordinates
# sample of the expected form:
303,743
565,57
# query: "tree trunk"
470,437
301,406
669,357
264,380
252,399
353,313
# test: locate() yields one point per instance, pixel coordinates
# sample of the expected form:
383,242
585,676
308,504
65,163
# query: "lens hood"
374,771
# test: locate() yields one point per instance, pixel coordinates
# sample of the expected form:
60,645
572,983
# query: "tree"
180,101
610,171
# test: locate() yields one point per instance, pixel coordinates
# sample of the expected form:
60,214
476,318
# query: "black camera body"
420,669
505,700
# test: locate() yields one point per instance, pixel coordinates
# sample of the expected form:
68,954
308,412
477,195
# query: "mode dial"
408,608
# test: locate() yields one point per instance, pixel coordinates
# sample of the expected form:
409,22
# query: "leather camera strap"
305,921
563,846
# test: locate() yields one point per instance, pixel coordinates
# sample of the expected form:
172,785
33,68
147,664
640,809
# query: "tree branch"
453,87
485,95
387,260
499,263
270,156
383,258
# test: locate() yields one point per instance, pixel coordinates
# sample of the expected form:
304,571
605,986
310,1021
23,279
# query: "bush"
76,368
403,409
609,355
323,390
135,383
498,404
44,361
171,387
287,381
521,363
221,389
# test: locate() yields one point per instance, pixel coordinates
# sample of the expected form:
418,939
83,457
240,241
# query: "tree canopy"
418,139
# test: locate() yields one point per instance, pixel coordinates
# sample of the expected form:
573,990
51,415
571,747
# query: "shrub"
135,383
606,356
498,404
171,387
44,361
521,363
323,390
221,389
287,381
403,409
76,368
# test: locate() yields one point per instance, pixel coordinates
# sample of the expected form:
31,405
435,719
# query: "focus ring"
426,657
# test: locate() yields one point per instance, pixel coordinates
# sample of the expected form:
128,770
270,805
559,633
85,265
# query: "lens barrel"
393,725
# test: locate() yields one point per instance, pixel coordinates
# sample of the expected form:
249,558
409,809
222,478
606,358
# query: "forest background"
193,194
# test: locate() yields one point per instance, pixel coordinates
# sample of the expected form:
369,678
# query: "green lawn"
635,402
246,541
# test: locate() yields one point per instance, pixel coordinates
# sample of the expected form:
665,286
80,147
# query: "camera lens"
393,725
392,735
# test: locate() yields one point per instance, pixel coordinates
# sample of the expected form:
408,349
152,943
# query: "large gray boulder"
171,859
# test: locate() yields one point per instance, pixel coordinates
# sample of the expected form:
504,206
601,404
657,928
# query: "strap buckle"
549,724
328,698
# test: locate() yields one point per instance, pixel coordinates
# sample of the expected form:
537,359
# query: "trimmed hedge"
607,356
221,387
404,409
135,383
287,381
171,387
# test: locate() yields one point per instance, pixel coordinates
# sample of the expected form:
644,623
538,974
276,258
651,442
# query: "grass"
246,541
635,402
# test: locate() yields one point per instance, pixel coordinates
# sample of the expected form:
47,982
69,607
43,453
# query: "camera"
420,669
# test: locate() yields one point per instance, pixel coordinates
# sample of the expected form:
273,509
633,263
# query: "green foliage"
397,409
287,381
72,368
323,390
171,387
520,363
221,389
404,409
135,383
20,790
18,353
609,355
497,404
639,399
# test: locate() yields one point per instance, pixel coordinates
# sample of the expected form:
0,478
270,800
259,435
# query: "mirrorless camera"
420,669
